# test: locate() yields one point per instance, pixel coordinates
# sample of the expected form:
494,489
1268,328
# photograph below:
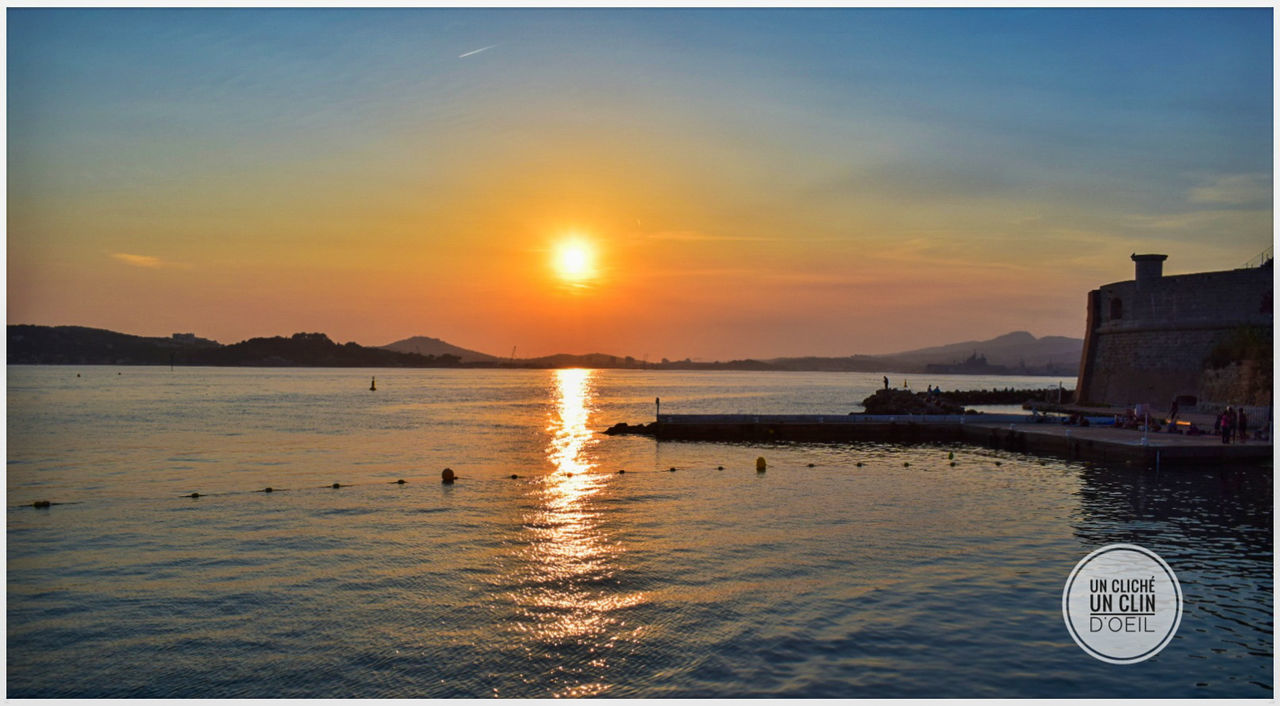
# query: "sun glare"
574,261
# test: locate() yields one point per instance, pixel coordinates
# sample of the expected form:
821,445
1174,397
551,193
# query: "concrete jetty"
1013,432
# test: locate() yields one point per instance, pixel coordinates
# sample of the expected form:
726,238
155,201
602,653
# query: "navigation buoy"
447,476
810,465
399,482
268,489
336,485
194,495
373,384
514,476
719,468
760,464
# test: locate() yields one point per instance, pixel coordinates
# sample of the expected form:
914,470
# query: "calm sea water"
818,578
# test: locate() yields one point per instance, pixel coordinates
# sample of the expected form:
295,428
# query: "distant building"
1206,335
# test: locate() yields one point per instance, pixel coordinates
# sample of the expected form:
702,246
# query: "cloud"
1205,223
473,52
1233,190
143,260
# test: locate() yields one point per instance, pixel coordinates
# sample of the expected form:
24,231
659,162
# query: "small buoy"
951,455
267,489
194,495
514,476
77,374
447,476
858,464
399,482
373,384
953,464
997,463
906,464
336,485
41,504
760,464
622,470
719,468
810,465
671,470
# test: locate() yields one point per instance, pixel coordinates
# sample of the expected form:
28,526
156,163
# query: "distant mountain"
78,345
1017,350
1011,354
81,345
425,345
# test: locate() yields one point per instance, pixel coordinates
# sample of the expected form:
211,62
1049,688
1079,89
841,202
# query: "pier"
1012,432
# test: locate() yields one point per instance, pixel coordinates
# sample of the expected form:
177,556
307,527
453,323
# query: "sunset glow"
574,261
827,182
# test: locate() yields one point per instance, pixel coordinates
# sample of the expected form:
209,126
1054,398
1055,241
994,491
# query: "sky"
741,183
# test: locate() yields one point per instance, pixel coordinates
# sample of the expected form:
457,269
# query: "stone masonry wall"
1156,348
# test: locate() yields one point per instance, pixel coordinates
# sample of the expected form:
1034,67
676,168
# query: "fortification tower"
1201,335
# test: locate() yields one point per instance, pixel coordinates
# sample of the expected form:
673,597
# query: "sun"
575,261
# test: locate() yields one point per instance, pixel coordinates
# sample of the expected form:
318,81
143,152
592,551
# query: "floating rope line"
448,476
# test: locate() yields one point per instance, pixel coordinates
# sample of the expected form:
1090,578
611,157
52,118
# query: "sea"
847,570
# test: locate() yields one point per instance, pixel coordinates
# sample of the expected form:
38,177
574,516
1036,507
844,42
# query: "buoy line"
448,477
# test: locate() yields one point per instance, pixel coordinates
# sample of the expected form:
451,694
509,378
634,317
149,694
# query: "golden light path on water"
570,598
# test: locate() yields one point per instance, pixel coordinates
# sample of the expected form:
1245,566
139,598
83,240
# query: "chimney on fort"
1148,268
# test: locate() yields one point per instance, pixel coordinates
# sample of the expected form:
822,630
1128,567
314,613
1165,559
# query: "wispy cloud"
473,52
1233,190
143,260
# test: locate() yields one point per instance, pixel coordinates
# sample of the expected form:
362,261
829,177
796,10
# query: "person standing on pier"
1242,426
1227,422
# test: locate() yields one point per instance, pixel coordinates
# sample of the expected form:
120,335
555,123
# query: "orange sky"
753,184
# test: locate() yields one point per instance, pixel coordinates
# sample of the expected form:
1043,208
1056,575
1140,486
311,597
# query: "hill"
81,345
78,345
1016,351
425,345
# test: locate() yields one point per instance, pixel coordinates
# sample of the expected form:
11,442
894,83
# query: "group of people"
1230,424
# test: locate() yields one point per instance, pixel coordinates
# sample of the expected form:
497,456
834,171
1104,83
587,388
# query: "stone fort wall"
1147,339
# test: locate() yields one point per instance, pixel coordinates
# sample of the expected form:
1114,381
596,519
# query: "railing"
1260,259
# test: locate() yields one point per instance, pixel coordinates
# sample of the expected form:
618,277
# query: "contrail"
476,51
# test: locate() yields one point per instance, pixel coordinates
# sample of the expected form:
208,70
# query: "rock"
907,402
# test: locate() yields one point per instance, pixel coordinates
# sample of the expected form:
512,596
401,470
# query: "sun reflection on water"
571,598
